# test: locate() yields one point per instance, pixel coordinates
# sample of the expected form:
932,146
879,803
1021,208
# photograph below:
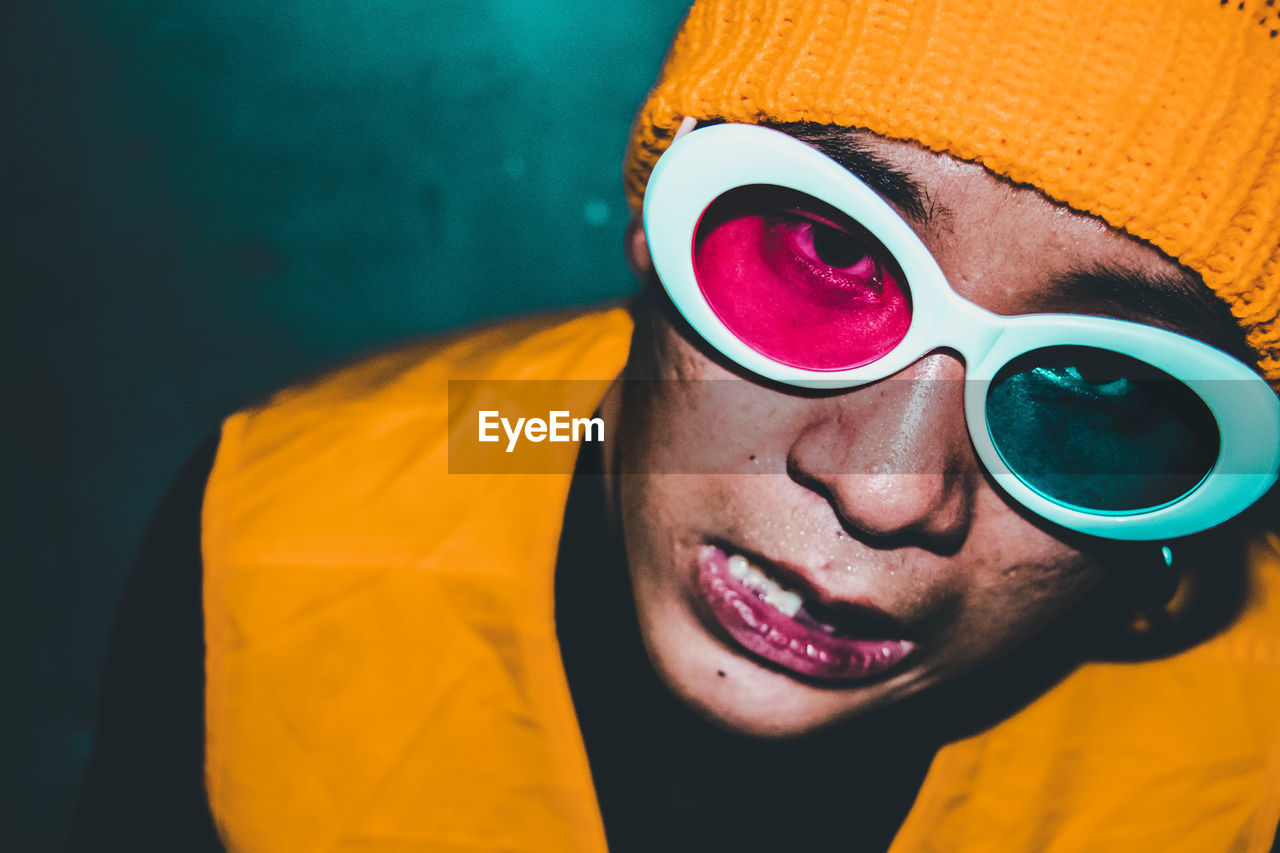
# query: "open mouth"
752,602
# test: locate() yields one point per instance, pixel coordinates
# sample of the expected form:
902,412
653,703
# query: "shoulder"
557,346
360,443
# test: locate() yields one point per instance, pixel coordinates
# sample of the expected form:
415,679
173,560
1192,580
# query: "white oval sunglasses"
1108,427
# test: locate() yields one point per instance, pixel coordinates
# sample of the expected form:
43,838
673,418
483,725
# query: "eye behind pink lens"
797,282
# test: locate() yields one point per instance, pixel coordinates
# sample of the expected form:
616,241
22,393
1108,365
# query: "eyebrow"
1179,302
894,185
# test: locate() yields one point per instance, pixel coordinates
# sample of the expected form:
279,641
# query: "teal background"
205,201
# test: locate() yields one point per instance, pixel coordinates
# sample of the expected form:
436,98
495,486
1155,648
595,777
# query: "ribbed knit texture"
1161,118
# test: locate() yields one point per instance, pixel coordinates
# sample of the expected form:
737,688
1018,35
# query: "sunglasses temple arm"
687,124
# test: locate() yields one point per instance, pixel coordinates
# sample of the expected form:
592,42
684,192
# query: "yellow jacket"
383,672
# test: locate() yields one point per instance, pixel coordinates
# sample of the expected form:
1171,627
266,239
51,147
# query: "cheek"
1012,598
695,417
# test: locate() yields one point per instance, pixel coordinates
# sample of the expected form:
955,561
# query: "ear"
638,250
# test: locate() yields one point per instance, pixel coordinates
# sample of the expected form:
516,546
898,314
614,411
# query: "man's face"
910,566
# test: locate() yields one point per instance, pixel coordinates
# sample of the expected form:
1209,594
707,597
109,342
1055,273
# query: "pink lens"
798,281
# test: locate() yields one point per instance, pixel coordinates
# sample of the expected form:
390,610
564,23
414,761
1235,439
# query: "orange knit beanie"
1161,118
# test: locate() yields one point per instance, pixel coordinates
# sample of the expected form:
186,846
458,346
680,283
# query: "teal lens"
1100,431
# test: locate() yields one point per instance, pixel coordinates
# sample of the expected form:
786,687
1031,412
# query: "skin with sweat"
869,503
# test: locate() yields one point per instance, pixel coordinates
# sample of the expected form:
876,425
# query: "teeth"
745,612
784,600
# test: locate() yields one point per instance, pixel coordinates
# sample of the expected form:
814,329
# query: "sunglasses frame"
702,165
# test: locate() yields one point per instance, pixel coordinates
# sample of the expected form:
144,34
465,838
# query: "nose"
894,459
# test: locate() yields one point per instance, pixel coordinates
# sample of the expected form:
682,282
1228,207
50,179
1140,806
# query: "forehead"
1014,251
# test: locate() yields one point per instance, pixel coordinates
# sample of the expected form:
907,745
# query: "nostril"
889,508
800,475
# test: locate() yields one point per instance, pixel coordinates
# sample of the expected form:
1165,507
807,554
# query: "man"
813,588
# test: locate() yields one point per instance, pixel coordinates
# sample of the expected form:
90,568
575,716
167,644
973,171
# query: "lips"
764,617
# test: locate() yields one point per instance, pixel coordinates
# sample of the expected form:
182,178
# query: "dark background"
204,201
